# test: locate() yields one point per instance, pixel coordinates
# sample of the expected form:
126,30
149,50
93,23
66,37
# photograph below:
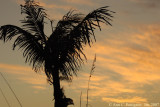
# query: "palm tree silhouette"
60,55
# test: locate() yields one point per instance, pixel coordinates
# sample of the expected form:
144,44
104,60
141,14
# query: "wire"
5,97
11,89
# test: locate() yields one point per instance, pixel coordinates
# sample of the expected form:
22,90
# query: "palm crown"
62,51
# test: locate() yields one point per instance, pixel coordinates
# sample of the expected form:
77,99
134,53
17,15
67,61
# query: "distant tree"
60,55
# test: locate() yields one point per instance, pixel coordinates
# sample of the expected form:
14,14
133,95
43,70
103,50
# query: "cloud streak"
81,2
124,66
131,100
25,74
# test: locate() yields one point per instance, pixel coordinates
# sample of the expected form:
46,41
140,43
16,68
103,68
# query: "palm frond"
34,20
85,29
61,47
71,33
32,49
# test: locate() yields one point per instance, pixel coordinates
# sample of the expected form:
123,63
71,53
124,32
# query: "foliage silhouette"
60,55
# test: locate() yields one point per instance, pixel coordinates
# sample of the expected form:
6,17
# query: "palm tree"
60,55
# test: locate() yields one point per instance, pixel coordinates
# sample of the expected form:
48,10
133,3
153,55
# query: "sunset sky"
128,57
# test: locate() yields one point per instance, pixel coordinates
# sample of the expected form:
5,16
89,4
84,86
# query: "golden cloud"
39,87
39,80
15,68
124,63
122,100
82,2
56,6
26,74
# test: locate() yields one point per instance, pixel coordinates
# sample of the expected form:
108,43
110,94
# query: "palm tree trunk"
57,89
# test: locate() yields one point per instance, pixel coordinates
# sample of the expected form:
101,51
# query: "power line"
11,89
5,97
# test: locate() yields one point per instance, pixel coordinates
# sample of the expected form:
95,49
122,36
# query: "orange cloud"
134,59
121,100
82,2
56,15
122,64
16,69
25,74
39,87
44,4
55,6
39,80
